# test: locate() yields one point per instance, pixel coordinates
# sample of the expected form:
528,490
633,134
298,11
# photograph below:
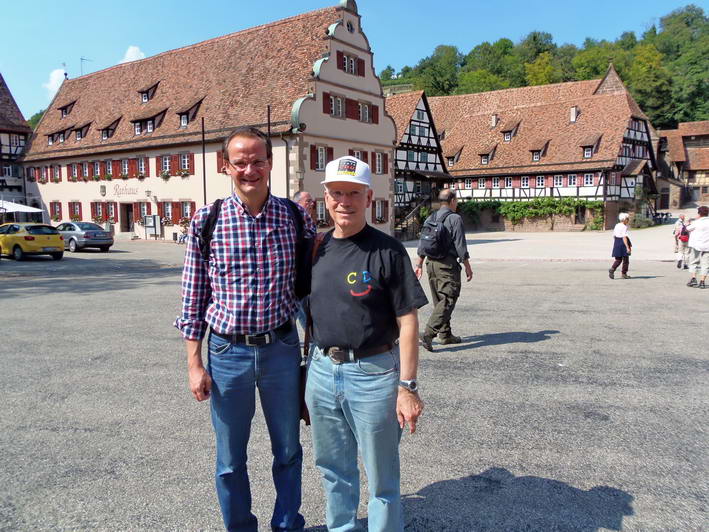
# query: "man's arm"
199,380
408,404
461,247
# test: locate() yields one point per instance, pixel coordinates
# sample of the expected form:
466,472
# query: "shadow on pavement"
498,500
473,241
513,337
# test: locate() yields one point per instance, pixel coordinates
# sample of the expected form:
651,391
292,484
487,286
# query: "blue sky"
39,35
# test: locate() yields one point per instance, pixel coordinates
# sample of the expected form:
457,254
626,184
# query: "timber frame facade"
14,136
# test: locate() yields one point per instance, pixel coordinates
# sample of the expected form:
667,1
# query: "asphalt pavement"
574,403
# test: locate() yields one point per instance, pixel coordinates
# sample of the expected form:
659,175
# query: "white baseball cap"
348,169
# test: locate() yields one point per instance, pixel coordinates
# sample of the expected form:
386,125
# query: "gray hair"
446,196
299,195
623,216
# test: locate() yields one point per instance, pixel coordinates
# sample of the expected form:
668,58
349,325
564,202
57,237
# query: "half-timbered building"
584,139
684,156
144,138
14,134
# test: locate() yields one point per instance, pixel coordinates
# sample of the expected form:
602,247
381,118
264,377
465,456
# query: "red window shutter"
59,210
105,210
191,163
93,209
136,212
313,156
115,212
375,114
91,168
326,103
365,157
102,168
81,211
330,154
374,162
161,209
374,211
351,108
193,207
360,67
385,163
148,206
116,168
340,60
351,153
158,165
132,167
385,210
174,164
220,161
176,211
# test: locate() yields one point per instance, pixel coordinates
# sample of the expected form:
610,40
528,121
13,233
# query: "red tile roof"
11,118
236,76
401,108
542,114
698,158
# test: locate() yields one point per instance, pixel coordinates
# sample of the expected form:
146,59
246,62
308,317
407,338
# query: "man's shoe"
626,276
452,339
679,264
692,282
686,267
702,285
611,273
426,342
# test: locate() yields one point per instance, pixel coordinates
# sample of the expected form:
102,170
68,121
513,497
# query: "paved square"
574,403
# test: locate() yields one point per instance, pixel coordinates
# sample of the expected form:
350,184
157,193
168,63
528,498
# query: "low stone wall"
489,221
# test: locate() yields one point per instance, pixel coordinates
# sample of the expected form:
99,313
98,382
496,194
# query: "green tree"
542,70
690,83
35,118
480,81
627,41
438,73
533,45
387,73
592,63
563,61
651,85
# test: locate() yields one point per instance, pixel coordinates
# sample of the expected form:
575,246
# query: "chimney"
573,113
493,120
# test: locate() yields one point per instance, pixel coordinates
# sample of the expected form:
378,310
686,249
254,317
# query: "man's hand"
418,271
468,270
409,407
200,382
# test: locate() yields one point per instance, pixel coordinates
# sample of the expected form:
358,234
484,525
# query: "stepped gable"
11,118
234,77
401,108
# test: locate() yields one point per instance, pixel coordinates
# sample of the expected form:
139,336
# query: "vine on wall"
516,211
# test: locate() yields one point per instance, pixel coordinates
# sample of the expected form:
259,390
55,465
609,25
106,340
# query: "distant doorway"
126,217
664,198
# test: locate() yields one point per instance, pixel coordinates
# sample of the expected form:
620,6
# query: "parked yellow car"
21,239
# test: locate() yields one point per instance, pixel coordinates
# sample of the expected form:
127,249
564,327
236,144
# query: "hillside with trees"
666,70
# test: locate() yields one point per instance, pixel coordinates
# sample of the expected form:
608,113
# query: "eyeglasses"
259,164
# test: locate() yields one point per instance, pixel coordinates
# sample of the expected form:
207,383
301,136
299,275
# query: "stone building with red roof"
684,156
14,134
144,137
584,139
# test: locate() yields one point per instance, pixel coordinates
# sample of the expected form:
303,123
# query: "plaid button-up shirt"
248,285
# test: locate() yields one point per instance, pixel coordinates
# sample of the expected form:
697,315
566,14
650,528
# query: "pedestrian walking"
681,237
443,246
361,387
622,246
245,296
699,247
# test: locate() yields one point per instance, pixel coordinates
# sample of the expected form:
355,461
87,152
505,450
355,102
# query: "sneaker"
692,282
702,285
686,267
679,264
426,342
626,276
611,273
452,339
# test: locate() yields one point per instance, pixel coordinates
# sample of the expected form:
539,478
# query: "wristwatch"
410,385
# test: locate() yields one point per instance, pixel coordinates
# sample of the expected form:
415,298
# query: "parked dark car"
80,235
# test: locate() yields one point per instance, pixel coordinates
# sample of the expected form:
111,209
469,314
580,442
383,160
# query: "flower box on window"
98,220
75,218
166,221
56,218
96,178
165,175
184,172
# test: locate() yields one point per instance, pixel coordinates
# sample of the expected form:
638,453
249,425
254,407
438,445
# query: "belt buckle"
338,355
255,340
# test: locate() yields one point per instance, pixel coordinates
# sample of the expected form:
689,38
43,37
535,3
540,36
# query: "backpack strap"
297,219
205,235
319,238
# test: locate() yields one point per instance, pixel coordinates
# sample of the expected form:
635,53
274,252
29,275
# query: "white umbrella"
8,206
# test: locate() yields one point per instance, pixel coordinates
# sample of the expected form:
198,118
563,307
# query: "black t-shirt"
360,285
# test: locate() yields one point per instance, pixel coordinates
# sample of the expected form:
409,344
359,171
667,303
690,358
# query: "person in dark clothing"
444,274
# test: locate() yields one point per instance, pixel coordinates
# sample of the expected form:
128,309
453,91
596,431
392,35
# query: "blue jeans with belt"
236,371
353,406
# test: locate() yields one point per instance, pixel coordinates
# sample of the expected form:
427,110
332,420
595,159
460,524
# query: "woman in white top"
621,246
699,247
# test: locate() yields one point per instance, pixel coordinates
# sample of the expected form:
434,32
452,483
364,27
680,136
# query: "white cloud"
133,53
56,77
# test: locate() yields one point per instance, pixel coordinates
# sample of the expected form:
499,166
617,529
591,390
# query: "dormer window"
144,97
78,134
507,135
450,161
64,112
104,134
150,126
536,155
587,152
137,128
184,120
61,137
484,159
50,140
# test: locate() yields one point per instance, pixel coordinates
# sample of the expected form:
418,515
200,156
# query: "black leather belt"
253,340
340,355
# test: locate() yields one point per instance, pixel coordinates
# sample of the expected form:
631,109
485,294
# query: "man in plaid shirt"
245,296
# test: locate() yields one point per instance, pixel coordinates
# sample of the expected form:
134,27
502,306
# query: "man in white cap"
361,388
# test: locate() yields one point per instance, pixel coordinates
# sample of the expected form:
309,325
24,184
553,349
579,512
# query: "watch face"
409,385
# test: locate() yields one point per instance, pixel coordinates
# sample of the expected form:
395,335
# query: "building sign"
125,190
102,190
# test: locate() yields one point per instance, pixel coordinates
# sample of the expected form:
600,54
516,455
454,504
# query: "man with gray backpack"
442,242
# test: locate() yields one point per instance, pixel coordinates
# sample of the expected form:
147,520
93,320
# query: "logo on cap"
347,167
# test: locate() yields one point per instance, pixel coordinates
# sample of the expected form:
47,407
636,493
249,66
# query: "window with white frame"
104,134
612,180
495,182
587,152
186,209
423,131
322,157
74,170
364,112
149,126
508,182
572,180
349,64
141,165
184,161
143,209
558,181
111,208
85,169
320,211
453,186
75,208
413,130
336,106
507,136
78,134
97,168
587,180
379,163
124,166
109,167
165,163
379,209
399,186
61,137
357,154
56,172
450,161
481,182
137,128
64,112
353,65
99,209
184,120
420,115
50,140
536,155
540,181
167,210
144,97
468,183
484,159
44,172
525,182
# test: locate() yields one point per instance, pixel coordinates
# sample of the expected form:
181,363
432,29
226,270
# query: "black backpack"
435,238
303,246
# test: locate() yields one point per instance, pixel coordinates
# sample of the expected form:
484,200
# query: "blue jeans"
353,406
236,370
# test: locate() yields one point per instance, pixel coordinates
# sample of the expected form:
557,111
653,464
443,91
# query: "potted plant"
141,175
56,218
167,221
165,175
75,218
97,177
184,172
